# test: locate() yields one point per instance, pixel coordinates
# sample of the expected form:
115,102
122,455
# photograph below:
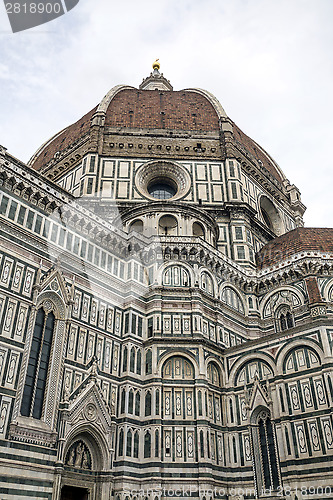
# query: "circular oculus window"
162,189
162,180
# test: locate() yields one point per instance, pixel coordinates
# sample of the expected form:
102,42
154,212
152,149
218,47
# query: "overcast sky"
269,62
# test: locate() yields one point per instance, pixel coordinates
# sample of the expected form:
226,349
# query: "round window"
162,180
162,189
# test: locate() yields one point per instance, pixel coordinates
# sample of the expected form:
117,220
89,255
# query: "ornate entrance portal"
70,493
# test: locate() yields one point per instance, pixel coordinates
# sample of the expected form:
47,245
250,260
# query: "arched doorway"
84,459
71,493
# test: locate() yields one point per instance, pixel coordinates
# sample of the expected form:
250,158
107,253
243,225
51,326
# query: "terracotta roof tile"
173,110
256,151
66,138
301,239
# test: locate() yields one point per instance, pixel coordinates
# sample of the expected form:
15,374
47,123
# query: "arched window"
122,401
208,446
168,226
138,362
38,364
125,359
253,368
129,443
157,402
148,362
231,409
137,404
232,299
130,402
121,443
176,276
178,368
148,404
147,445
202,445
301,359
156,443
136,226
266,461
198,230
234,449
136,445
132,360
207,283
200,403
213,374
284,318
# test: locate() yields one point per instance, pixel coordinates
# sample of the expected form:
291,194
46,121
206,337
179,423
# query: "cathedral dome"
155,106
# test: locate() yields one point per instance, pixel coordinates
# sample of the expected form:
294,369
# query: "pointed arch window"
137,404
130,402
148,404
138,362
157,437
36,377
148,362
125,359
284,319
132,360
129,443
202,445
136,445
121,443
147,447
266,461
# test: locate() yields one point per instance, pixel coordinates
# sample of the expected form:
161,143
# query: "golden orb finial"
156,64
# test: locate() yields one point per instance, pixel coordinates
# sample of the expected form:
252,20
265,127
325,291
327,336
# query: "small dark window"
90,185
136,445
4,204
234,190
132,360
30,220
54,232
21,215
156,443
129,444
241,253
121,443
38,224
46,229
96,256
125,359
137,404
202,446
239,233
231,169
147,447
148,404
130,402
162,190
138,362
157,402
92,164
12,210
148,362
83,249
122,401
